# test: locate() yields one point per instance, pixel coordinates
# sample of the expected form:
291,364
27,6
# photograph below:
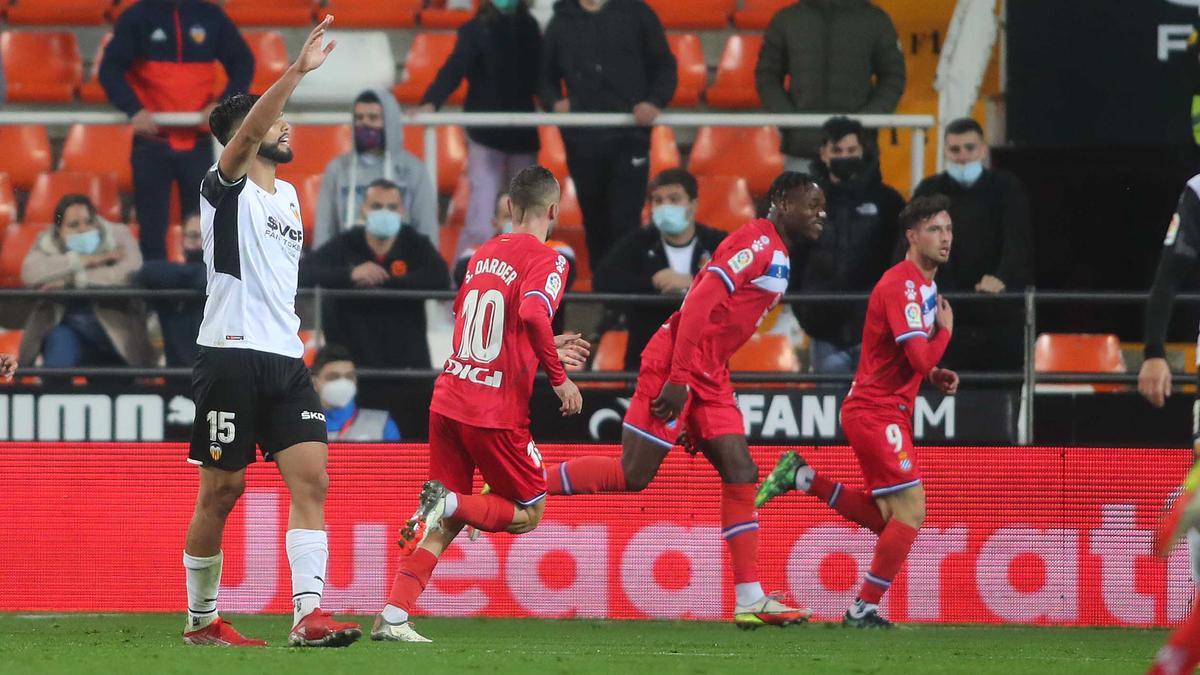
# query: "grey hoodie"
351,173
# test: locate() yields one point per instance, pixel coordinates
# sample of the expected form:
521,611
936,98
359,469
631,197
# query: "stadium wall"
1032,535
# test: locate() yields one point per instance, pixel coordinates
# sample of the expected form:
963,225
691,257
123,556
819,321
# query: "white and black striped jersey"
252,244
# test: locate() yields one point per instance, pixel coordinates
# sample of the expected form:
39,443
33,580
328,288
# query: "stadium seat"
362,60
426,56
271,12
97,148
765,352
553,154
438,17
756,14
26,153
1078,353
309,189
8,206
57,12
692,72
569,212
315,145
751,152
312,344
734,84
610,353
10,341
451,153
725,202
703,14
372,13
51,186
664,151
41,67
270,61
456,212
91,91
448,243
17,242
174,243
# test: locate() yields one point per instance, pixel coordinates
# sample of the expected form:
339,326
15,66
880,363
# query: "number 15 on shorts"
221,428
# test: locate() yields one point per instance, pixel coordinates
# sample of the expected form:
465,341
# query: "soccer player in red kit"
479,415
683,387
907,329
1181,654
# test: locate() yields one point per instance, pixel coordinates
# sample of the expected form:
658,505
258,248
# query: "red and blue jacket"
162,55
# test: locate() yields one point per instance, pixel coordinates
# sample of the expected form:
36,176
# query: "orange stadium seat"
693,13
10,341
58,12
752,152
41,67
569,212
174,243
664,151
426,56
315,145
438,17
692,73
97,148
766,352
50,187
271,12
725,202
26,153
1079,353
456,212
448,243
91,91
610,353
309,189
17,243
270,61
372,13
756,14
553,154
451,153
734,85
8,206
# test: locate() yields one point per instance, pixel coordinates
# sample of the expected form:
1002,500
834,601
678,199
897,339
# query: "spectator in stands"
662,257
336,381
161,59
179,318
497,51
993,250
82,250
612,56
386,253
378,153
854,249
843,56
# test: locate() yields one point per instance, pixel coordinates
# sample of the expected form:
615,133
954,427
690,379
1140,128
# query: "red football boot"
320,629
221,633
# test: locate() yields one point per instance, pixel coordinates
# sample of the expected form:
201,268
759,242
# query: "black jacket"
853,251
379,333
629,268
611,60
499,55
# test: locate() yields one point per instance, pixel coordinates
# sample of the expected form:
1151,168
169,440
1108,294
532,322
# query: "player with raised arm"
684,390
251,387
479,415
906,332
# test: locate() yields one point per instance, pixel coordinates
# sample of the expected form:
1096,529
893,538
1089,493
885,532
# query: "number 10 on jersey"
483,326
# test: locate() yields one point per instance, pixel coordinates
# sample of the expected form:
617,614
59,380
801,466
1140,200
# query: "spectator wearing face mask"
993,249
336,381
180,319
385,253
378,153
853,250
81,250
661,257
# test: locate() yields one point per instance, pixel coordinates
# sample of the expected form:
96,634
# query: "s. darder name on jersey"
498,267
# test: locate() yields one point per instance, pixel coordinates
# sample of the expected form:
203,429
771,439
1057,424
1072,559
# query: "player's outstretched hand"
945,315
1154,381
572,400
669,404
944,379
8,366
313,54
573,350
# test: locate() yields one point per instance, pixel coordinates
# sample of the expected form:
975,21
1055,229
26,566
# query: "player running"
1182,651
250,385
684,377
907,329
479,415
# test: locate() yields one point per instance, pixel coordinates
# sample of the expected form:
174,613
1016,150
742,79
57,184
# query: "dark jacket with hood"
843,56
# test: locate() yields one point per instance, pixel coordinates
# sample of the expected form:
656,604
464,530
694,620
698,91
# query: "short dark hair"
677,176
785,183
228,115
963,125
328,354
67,202
367,96
922,208
839,127
385,184
533,186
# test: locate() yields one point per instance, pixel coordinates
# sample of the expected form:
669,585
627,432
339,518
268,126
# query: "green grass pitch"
130,644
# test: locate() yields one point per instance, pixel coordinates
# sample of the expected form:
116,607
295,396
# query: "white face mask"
338,393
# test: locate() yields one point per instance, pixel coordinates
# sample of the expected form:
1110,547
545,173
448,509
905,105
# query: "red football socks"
585,476
893,546
739,527
411,578
489,513
1182,651
853,505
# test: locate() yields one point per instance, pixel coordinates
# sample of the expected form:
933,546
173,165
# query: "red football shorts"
710,411
882,442
508,459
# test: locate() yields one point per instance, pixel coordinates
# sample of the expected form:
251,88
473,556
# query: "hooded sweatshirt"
347,177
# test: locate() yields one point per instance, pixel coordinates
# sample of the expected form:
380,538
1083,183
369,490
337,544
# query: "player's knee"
636,482
220,499
316,485
527,519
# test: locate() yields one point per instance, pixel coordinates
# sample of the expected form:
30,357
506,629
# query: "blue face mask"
505,6
84,243
506,227
383,223
670,218
965,174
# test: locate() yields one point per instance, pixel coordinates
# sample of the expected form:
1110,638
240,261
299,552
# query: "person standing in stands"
162,58
497,52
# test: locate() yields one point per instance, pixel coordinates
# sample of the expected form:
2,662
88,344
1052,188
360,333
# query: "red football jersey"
902,307
753,264
488,379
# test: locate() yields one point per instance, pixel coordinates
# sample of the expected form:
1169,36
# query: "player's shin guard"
308,554
1181,654
739,528
585,476
203,581
489,513
893,546
853,505
410,581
